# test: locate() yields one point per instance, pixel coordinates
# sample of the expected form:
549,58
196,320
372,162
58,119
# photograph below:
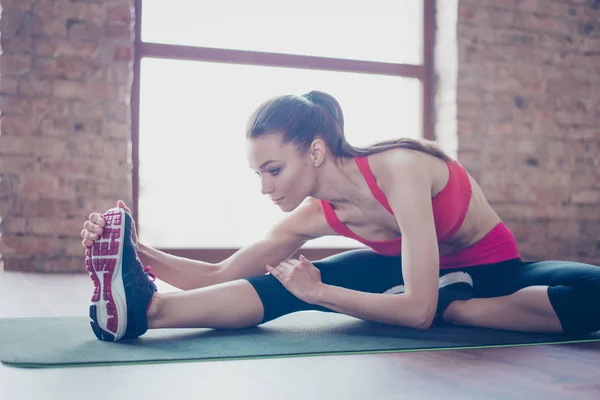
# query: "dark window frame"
424,72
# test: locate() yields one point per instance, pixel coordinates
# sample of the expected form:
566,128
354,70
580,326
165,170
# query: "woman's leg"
255,300
228,305
527,310
125,302
546,296
362,270
259,299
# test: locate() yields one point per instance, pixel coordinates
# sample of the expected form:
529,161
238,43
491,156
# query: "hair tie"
308,97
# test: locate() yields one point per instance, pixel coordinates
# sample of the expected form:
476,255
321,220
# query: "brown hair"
316,114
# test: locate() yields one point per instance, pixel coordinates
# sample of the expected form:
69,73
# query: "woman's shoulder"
396,155
403,156
390,164
394,164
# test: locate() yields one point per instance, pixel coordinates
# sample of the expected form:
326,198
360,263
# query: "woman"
436,247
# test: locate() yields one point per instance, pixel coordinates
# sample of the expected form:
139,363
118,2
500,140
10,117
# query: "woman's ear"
317,152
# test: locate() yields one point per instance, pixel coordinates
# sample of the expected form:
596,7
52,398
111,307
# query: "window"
203,67
379,30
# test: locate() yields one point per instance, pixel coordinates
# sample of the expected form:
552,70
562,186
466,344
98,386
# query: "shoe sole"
396,290
103,260
448,279
455,277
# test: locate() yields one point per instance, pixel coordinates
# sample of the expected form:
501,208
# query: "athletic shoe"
453,286
123,288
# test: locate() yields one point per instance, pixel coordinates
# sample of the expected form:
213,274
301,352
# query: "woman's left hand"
300,278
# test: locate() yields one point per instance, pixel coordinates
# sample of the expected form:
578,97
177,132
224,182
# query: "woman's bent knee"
276,299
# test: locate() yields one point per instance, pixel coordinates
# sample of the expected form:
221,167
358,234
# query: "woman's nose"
265,187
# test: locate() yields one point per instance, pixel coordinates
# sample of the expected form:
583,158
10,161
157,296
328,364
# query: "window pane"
196,188
378,30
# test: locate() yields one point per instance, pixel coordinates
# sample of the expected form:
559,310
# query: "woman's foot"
123,288
453,286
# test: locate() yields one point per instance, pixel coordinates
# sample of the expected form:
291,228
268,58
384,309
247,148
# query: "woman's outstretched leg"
259,299
228,305
125,302
255,300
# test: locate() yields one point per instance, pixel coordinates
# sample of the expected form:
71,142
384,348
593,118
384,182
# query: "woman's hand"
300,278
93,228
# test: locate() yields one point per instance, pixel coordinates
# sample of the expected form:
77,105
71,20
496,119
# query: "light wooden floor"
549,372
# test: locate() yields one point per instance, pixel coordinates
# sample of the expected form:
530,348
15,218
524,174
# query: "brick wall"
64,144
518,101
528,118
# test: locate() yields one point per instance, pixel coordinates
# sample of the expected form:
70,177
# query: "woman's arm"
183,273
409,195
407,184
393,309
187,274
303,224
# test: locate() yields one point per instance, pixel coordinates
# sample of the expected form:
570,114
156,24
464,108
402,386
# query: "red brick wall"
528,118
65,143
520,106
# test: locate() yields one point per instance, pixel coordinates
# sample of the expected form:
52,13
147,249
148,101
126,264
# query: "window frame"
424,72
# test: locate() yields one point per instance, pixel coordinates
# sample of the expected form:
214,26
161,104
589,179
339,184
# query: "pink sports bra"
449,210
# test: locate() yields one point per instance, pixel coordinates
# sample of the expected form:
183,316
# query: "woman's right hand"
93,228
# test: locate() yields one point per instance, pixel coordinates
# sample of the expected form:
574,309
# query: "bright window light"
196,189
375,30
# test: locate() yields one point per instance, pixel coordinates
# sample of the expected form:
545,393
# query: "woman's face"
286,177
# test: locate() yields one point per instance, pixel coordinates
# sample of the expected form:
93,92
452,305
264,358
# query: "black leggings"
573,288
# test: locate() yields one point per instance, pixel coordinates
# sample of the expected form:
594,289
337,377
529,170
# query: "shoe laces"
150,275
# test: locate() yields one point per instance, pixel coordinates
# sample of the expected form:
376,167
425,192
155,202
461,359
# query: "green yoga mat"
60,342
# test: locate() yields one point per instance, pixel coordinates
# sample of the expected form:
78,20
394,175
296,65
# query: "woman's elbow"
423,319
423,324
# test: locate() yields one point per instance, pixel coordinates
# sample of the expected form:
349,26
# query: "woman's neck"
340,182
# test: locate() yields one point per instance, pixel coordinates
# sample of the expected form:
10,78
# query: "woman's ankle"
152,311
453,313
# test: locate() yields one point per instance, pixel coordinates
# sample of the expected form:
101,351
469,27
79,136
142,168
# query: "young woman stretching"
436,249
